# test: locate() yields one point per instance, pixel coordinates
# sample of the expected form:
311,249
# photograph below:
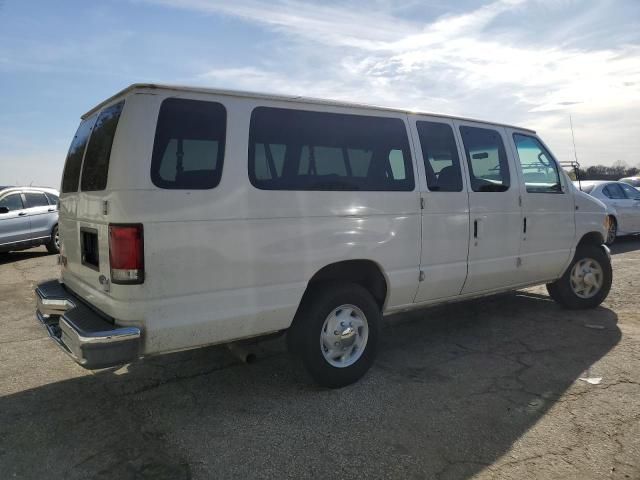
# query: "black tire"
563,293
613,230
304,336
53,245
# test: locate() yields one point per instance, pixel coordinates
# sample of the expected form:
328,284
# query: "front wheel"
335,334
587,281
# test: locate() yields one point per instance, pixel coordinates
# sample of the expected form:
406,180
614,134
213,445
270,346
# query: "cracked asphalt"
484,389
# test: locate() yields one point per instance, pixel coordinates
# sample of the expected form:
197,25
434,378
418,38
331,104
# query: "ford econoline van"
192,216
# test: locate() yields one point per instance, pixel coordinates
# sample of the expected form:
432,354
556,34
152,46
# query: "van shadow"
11,257
626,244
454,387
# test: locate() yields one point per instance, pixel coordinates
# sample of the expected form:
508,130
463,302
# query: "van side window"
188,150
304,150
96,160
440,155
487,159
73,164
539,170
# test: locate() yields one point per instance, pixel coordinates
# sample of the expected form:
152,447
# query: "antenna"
573,139
575,153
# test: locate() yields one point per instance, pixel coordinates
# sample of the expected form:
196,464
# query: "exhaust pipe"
241,353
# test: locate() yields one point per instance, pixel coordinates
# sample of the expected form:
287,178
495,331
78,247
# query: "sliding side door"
445,208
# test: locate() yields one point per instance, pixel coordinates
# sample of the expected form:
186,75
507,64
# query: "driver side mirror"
4,209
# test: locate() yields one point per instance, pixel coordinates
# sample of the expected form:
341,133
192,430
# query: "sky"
532,63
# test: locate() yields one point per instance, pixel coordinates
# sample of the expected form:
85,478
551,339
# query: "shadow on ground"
11,257
626,244
454,387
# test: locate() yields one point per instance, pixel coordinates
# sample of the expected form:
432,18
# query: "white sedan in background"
623,205
633,181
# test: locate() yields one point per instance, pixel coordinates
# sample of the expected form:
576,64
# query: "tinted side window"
73,164
96,159
539,170
12,202
487,159
440,154
614,192
188,150
36,200
53,198
303,150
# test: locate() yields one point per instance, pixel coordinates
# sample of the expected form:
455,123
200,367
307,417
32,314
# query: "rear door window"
12,202
73,164
96,160
35,199
487,159
53,198
614,192
188,150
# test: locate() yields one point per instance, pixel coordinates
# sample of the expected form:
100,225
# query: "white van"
191,216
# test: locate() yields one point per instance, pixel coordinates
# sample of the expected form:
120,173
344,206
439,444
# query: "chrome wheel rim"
344,336
611,232
56,239
586,278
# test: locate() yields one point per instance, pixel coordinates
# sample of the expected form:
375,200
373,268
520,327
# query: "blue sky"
532,63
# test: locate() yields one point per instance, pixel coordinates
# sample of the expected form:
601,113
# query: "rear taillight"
126,253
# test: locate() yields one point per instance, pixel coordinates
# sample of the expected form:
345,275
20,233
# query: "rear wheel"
587,281
335,334
612,231
53,245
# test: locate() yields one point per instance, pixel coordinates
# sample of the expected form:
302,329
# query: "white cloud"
454,64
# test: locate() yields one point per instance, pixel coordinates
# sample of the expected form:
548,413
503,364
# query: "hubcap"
586,278
344,336
56,239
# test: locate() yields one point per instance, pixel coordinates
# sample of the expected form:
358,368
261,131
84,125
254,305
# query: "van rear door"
83,226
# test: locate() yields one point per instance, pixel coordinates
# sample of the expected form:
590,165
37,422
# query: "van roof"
285,98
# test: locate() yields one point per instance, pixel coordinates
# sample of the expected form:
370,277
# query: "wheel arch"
367,273
591,238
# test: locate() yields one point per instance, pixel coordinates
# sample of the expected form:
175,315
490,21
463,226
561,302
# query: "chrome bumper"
88,337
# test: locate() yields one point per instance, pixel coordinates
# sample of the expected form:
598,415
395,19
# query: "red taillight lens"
126,253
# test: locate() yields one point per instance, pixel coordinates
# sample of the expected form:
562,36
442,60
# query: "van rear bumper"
88,337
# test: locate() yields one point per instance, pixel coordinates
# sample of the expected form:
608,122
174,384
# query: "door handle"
524,226
475,229
51,210
22,214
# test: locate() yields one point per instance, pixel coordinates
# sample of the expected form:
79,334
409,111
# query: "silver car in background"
622,202
28,218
